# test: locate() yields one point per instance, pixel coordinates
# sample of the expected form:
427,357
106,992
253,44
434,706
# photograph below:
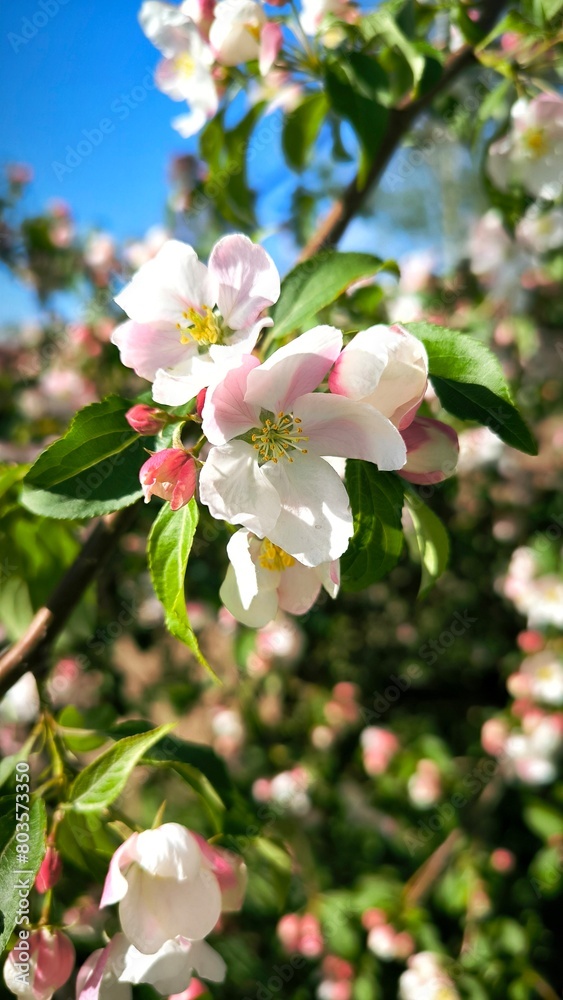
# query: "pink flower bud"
171,475
200,401
493,736
50,871
194,990
502,860
146,419
288,931
50,957
432,451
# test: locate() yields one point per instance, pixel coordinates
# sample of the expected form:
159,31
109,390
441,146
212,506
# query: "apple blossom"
165,888
262,578
188,321
109,973
240,32
51,961
379,746
530,154
432,451
540,677
185,73
260,474
314,13
386,367
171,475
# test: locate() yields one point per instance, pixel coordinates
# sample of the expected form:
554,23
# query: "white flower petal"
340,427
299,588
295,369
146,347
225,413
166,286
247,280
235,489
315,522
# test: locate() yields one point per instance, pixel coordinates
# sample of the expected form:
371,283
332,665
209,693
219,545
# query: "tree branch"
30,652
400,121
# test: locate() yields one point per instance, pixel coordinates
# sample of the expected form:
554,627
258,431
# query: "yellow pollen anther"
534,139
274,558
184,65
204,329
275,441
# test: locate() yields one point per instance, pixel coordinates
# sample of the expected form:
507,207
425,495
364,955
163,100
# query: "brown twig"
30,652
399,122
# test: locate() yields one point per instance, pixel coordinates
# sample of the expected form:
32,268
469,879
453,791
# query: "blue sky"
65,69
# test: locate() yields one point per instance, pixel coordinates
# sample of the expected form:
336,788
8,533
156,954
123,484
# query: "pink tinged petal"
192,122
386,367
295,369
329,575
432,451
236,489
146,347
171,475
115,885
315,522
246,280
166,286
229,870
340,427
225,414
298,590
271,41
89,978
169,851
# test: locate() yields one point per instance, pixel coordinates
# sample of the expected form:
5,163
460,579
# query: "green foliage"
93,469
169,545
470,383
353,83
102,781
227,152
431,543
301,128
16,867
317,283
376,499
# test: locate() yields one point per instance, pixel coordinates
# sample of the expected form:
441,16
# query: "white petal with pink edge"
245,279
146,347
340,427
295,369
166,286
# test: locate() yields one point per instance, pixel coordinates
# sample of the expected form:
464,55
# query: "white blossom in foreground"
531,153
271,431
167,886
187,322
241,32
262,578
109,973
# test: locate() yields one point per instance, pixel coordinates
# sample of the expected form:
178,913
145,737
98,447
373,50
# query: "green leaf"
470,383
301,128
92,470
431,540
227,152
14,871
99,784
368,118
382,25
376,499
317,282
169,544
543,819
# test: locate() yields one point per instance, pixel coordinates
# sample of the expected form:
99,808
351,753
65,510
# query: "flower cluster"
171,887
274,429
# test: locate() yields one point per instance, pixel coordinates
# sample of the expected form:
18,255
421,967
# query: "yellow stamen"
534,140
185,65
274,558
204,329
275,441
